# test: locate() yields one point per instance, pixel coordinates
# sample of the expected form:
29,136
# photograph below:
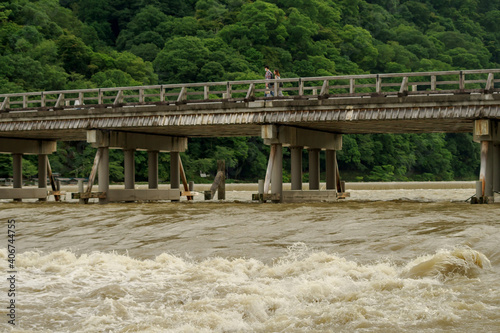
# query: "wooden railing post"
301,87
461,80
182,95
228,90
490,83
42,100
162,94
352,83
325,89
378,84
403,90
206,92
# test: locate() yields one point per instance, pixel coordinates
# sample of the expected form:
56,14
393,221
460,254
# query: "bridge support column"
297,139
18,148
103,174
174,171
331,169
314,169
487,132
42,173
152,169
17,172
129,168
130,142
277,174
296,167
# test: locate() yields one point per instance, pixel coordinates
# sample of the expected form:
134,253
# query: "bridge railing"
342,86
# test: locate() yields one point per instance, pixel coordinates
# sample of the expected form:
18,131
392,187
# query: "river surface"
379,261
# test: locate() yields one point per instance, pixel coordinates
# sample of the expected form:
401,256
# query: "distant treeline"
71,44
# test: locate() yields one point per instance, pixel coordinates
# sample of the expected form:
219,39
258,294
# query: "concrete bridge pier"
277,174
18,148
152,169
297,139
175,173
103,174
331,169
43,160
314,168
296,167
129,168
129,143
487,132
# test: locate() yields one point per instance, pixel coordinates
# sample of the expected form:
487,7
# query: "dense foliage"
68,44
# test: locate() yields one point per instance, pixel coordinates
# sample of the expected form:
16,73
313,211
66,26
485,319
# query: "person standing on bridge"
280,85
269,86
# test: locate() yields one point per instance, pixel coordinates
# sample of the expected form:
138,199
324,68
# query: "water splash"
447,263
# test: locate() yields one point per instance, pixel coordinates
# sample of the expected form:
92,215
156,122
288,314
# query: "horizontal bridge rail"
396,84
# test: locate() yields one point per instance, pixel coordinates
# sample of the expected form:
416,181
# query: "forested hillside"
68,44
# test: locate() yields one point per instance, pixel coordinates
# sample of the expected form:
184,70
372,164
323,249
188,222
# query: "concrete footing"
298,139
487,132
18,148
129,143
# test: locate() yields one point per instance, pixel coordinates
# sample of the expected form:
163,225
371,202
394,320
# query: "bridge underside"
421,114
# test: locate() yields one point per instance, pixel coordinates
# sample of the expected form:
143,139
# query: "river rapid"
379,261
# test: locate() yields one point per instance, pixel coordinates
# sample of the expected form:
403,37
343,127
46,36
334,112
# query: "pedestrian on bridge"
280,85
269,86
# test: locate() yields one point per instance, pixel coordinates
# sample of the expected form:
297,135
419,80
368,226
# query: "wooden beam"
5,103
60,101
93,172
270,164
182,95
52,180
118,98
250,93
184,179
490,84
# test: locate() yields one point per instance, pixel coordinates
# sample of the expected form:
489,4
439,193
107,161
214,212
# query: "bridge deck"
386,103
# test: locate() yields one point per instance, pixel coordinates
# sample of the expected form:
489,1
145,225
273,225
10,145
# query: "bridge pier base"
129,168
314,168
42,173
129,143
298,139
18,148
296,167
487,132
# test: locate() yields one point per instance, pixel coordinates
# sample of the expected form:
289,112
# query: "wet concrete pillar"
103,174
42,173
129,168
496,167
331,169
17,172
174,170
277,173
152,169
314,170
296,167
486,172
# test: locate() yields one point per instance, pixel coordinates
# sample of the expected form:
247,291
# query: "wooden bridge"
309,113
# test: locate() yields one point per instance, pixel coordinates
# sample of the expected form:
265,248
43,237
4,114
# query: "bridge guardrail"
396,84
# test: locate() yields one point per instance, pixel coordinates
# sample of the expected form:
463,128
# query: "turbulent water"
380,261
